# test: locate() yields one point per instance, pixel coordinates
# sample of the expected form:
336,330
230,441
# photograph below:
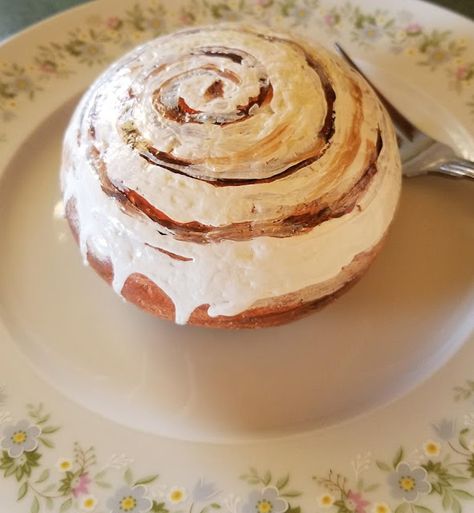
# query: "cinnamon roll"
230,176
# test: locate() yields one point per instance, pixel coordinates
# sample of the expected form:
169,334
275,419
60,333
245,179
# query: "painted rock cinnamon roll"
230,176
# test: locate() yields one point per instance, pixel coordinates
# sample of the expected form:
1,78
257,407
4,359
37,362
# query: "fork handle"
460,168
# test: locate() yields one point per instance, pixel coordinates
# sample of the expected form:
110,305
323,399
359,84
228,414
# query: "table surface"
15,15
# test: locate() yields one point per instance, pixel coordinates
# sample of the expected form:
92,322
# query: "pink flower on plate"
461,72
358,502
329,20
187,18
413,29
82,487
113,22
48,67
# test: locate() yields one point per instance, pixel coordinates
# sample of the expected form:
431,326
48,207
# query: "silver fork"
420,153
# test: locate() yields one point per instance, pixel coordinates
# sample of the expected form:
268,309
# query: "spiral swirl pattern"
230,133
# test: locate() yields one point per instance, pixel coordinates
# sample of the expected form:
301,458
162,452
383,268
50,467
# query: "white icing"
229,276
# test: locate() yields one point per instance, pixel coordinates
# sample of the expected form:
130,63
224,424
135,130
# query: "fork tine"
402,124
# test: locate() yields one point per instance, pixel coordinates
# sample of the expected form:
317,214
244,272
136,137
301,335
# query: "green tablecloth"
17,14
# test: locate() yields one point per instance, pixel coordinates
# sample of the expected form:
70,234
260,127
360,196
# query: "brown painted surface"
142,292
215,90
225,53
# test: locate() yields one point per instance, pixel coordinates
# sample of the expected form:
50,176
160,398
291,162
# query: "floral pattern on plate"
78,483
102,39
438,475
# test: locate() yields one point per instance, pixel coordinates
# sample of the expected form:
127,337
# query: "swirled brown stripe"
305,218
220,51
307,215
172,255
328,126
183,113
132,137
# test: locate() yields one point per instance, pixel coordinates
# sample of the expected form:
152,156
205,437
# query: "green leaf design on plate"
402,508
282,482
49,488
37,413
6,460
463,393
342,507
19,473
22,491
383,466
398,457
462,494
10,471
470,465
267,478
456,506
446,502
146,480
65,506
49,430
297,509
291,493
159,507
35,506
43,476
422,509
46,442
100,474
103,484
128,476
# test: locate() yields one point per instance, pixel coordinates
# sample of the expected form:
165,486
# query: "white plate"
264,395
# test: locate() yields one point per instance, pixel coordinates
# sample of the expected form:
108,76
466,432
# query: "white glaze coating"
297,103
229,276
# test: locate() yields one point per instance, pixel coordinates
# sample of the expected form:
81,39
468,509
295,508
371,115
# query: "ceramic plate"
105,409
